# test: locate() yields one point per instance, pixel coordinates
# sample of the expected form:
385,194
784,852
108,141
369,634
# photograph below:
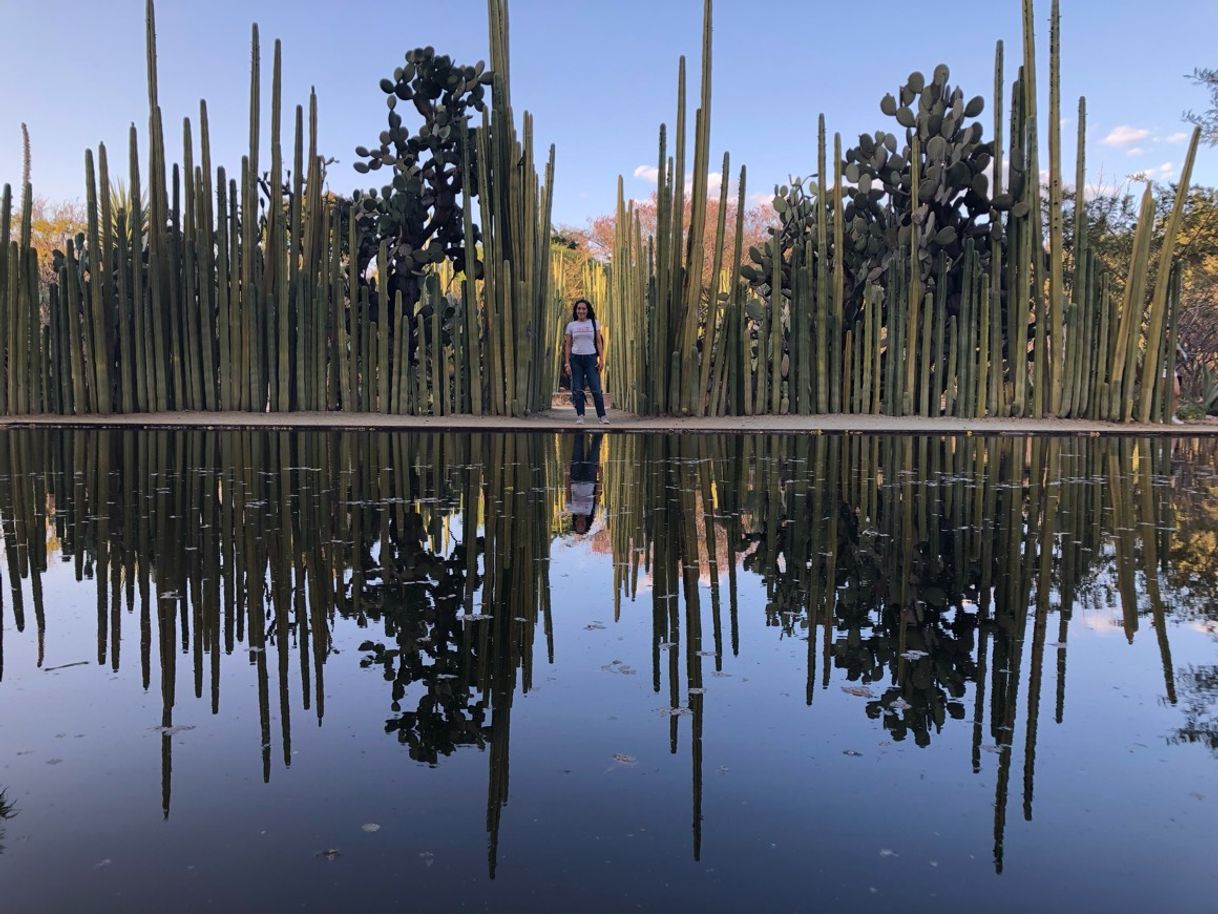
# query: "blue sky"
599,77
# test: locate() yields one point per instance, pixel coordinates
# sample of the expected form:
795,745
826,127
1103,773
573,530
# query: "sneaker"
579,420
604,420
1176,420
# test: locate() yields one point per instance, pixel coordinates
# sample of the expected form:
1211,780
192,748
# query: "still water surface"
322,671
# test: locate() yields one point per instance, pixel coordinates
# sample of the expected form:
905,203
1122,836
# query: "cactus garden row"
918,272
257,289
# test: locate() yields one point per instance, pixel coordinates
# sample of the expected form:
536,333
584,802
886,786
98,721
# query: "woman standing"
585,358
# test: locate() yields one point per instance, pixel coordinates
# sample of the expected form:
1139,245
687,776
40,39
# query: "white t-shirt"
583,338
583,498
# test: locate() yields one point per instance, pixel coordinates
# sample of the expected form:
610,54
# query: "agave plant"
123,203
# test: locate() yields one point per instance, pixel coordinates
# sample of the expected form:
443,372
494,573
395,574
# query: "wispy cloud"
1157,173
1176,137
1126,136
651,174
1135,151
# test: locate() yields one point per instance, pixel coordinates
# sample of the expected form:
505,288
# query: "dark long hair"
575,305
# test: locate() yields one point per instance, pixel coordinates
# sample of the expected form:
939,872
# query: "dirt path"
564,419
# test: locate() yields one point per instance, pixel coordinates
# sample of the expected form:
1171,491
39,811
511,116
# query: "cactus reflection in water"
914,565
255,541
925,571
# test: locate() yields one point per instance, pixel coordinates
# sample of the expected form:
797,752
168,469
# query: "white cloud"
1135,151
758,199
1006,175
651,174
1126,136
1176,137
1159,172
647,173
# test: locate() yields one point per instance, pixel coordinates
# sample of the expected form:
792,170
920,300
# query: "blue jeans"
583,371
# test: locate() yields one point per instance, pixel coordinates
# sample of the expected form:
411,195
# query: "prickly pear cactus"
950,205
796,210
418,210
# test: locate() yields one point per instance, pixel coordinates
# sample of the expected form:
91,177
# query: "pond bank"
561,419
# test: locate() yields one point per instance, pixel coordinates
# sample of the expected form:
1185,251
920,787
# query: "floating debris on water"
674,712
859,691
173,730
616,666
64,666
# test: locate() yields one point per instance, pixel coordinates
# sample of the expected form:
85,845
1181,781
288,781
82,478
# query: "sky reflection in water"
516,672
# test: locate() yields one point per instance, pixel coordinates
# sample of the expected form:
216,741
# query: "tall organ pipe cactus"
909,275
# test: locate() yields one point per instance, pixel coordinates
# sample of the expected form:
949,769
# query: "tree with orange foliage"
599,236
51,223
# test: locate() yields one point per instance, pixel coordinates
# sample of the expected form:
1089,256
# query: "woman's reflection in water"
584,482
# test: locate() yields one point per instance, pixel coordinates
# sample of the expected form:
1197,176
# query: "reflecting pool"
318,671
